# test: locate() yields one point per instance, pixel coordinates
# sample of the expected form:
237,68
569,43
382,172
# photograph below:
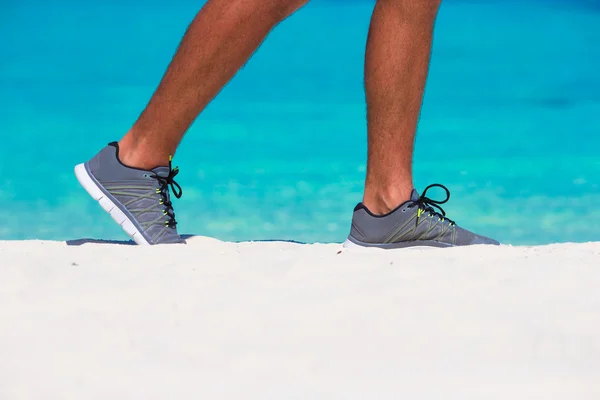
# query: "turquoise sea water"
511,120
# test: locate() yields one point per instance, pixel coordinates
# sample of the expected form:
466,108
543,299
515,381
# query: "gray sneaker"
413,223
137,199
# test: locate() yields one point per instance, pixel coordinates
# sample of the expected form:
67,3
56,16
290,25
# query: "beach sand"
272,320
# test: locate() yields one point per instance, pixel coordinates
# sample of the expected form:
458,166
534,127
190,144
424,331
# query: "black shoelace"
164,183
427,205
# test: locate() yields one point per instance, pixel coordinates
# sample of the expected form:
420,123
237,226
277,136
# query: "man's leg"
396,67
218,42
393,214
133,179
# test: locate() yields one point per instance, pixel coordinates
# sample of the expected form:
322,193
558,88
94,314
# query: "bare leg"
396,68
218,42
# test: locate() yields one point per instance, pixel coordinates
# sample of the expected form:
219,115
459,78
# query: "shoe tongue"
414,196
162,171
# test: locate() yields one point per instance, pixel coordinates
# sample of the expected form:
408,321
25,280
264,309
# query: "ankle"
140,154
381,202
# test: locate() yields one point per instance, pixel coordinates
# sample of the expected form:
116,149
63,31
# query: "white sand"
216,320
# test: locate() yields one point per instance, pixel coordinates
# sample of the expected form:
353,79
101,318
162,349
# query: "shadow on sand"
81,242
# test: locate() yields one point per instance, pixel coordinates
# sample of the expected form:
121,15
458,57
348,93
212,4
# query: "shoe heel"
86,181
108,205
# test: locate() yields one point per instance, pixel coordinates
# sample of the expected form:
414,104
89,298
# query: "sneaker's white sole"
107,204
353,246
348,244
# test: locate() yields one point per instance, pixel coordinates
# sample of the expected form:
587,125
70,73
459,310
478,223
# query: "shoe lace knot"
429,206
164,183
